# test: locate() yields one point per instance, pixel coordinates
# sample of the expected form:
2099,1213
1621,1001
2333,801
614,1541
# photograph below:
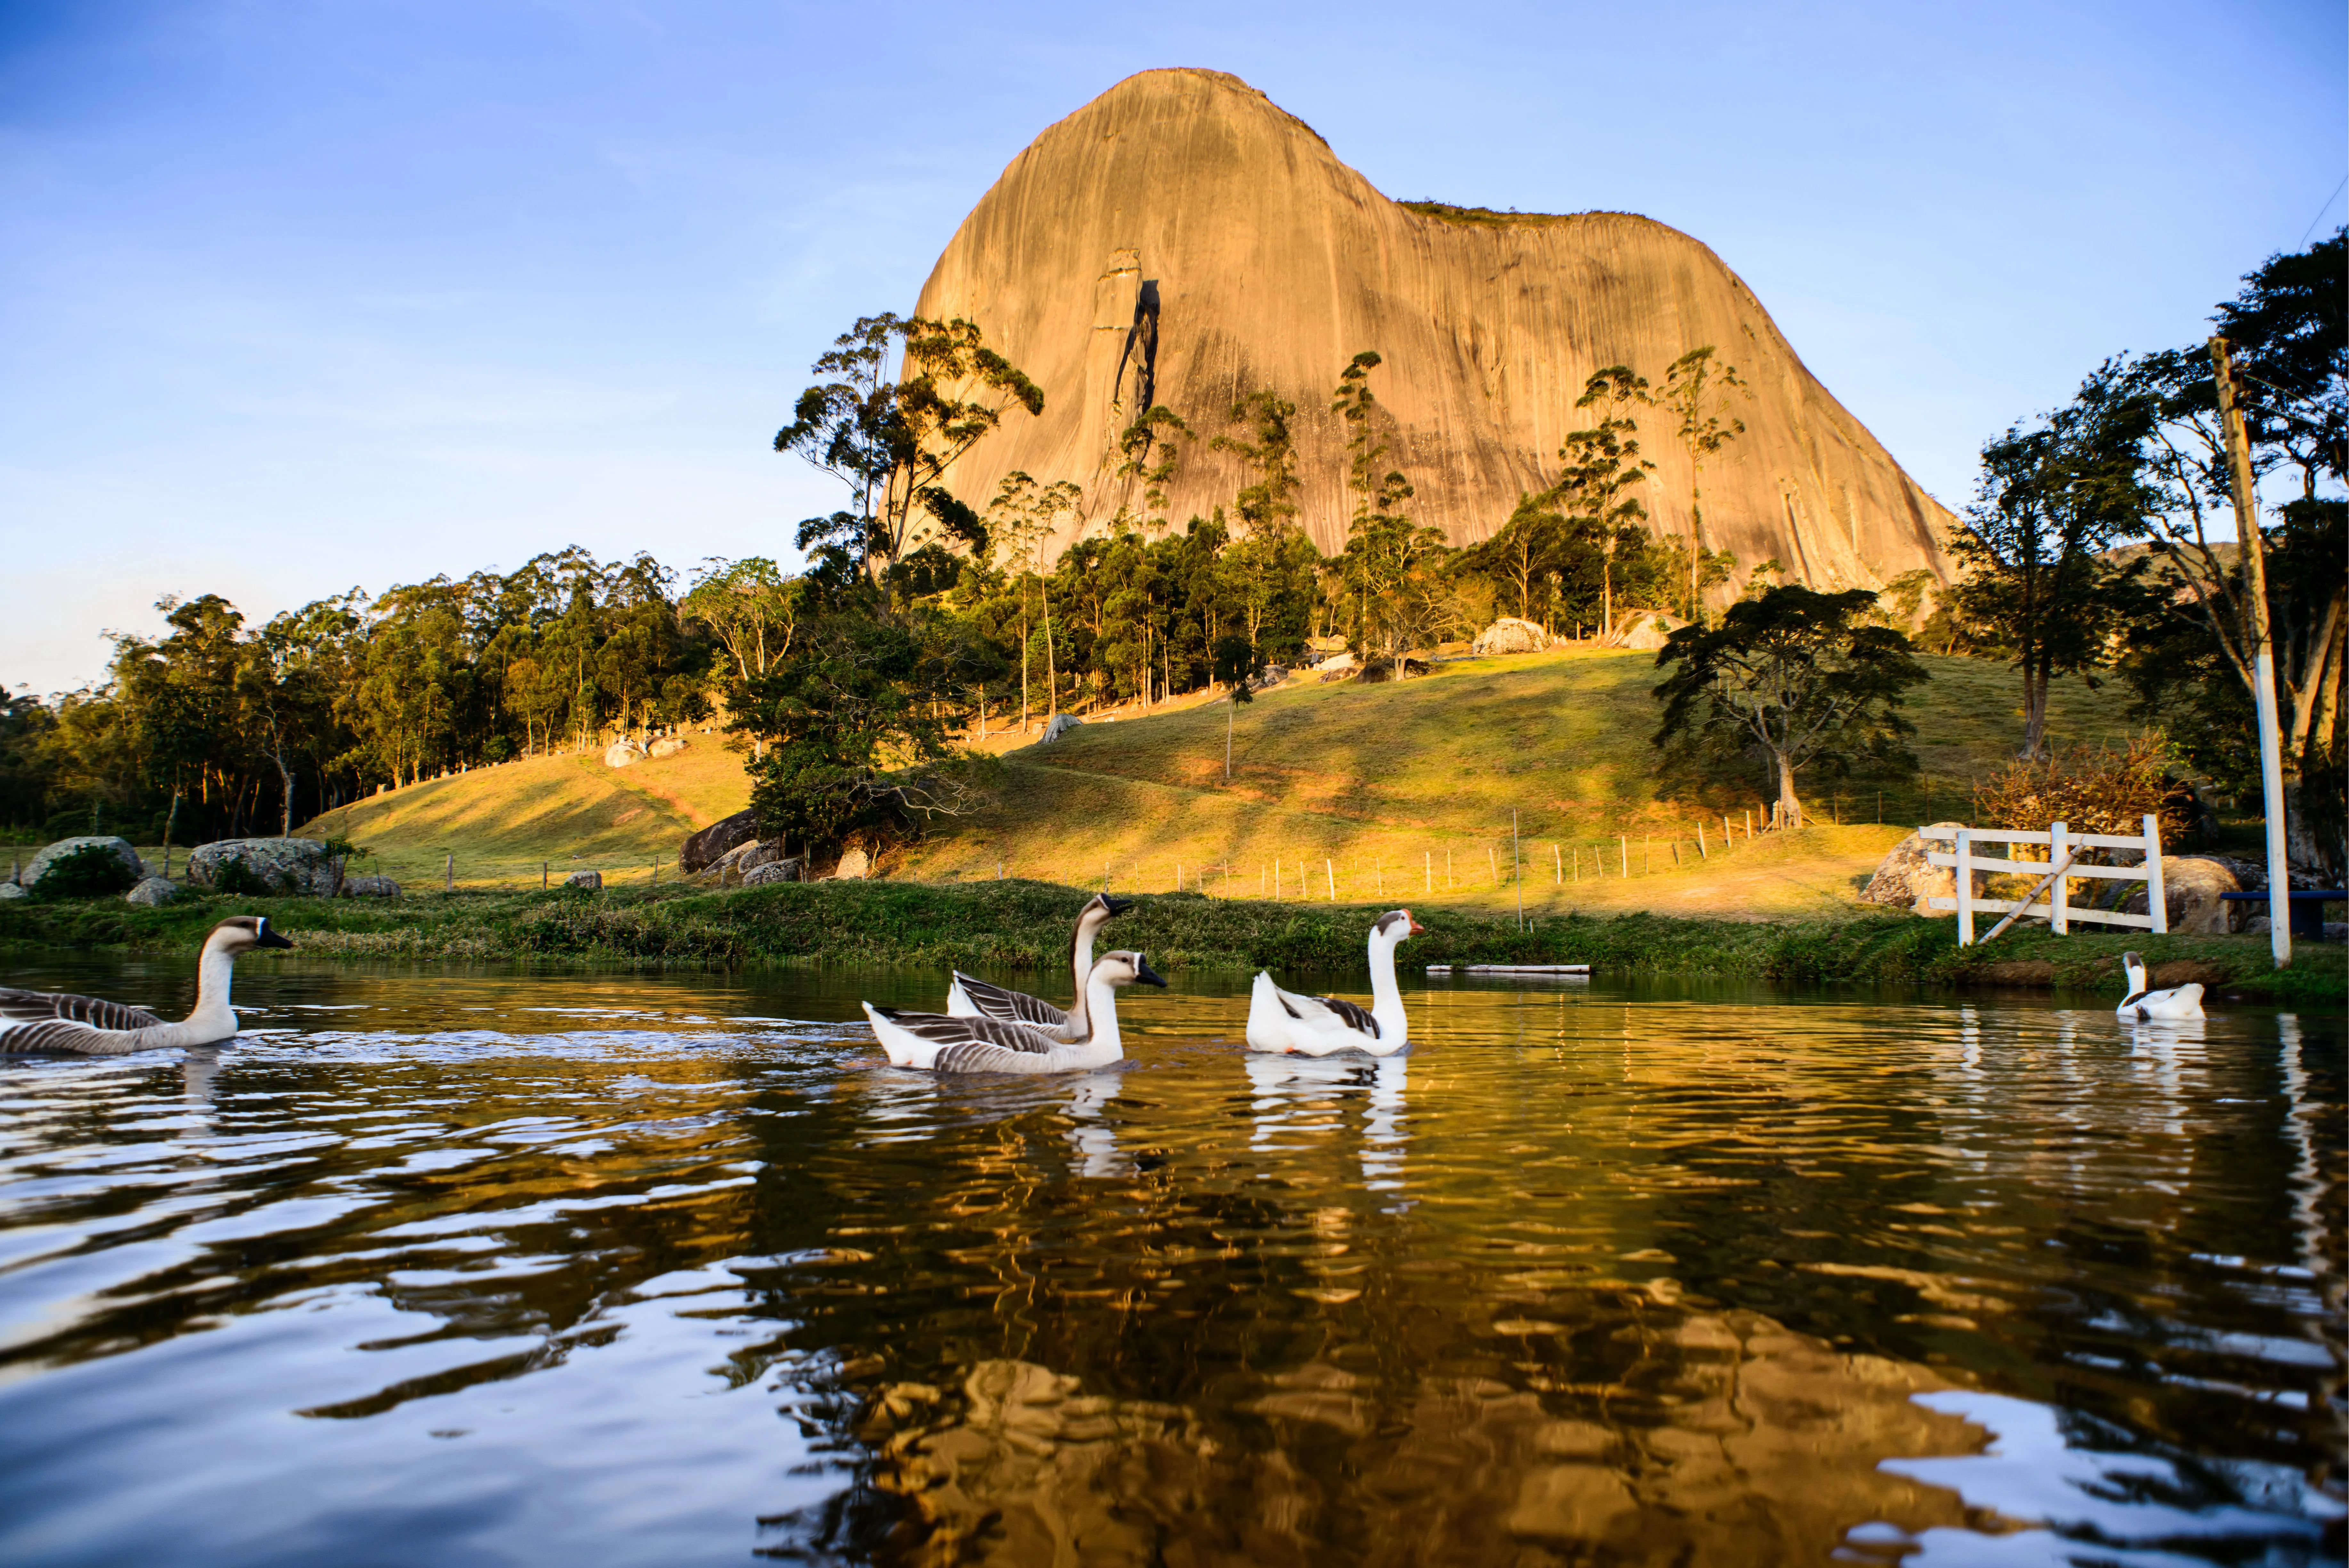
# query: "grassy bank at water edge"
1021,928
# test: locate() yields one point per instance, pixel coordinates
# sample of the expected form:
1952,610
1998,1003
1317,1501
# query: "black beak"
1147,974
271,939
1116,905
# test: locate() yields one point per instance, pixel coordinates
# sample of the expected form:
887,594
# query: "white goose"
936,1043
970,997
54,1021
2156,1006
1282,1020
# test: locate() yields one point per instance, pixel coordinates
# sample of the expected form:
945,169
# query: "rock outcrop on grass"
1182,240
2191,886
263,865
1904,879
1509,635
55,858
1645,630
152,891
704,848
592,882
623,753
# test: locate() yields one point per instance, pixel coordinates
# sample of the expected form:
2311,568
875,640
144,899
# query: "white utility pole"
2255,573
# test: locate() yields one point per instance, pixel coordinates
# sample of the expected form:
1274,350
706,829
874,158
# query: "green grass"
1022,927
566,813
1385,785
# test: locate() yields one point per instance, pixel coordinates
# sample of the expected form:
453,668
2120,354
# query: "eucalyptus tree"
1598,469
1267,449
905,396
1696,393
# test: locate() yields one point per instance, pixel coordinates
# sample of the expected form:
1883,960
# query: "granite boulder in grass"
85,867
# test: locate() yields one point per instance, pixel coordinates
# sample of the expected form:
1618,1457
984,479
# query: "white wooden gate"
2063,847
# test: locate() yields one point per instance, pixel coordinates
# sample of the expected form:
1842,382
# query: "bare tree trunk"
1790,805
1052,668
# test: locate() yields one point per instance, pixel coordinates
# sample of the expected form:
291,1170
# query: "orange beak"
1416,929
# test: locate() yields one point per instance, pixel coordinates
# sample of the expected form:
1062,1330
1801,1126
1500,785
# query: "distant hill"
1182,241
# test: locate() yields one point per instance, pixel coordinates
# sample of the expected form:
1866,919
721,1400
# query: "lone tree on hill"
890,432
1799,673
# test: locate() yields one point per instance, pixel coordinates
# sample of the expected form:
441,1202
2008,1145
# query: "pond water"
462,1268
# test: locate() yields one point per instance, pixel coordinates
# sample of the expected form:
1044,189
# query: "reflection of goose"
2156,1006
1092,1136
53,1021
1282,1020
1295,1096
969,998
937,1043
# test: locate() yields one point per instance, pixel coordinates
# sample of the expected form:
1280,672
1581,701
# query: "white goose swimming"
936,1043
1282,1020
2156,1006
970,997
54,1021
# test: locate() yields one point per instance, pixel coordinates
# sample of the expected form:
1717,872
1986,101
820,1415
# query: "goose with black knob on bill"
2148,1007
47,1021
935,1042
971,997
1284,1021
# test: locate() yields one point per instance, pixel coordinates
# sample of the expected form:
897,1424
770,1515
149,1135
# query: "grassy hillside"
1407,790
1397,790
566,812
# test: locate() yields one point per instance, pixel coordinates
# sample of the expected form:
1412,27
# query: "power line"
2324,210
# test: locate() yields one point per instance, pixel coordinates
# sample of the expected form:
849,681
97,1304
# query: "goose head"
2133,966
1125,967
1395,926
1102,907
243,934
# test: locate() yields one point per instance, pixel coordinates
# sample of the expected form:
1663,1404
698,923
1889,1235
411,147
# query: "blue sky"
296,297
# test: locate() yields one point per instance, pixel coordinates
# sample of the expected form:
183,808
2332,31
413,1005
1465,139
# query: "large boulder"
772,872
1510,635
10,890
1904,879
736,864
152,891
591,881
623,753
276,865
370,886
1337,667
1644,629
703,848
670,745
1061,724
2191,889
854,865
119,849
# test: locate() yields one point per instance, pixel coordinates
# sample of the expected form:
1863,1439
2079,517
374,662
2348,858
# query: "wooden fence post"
2157,901
1965,888
1330,871
1558,866
2059,906
1431,871
1624,844
449,874
1701,852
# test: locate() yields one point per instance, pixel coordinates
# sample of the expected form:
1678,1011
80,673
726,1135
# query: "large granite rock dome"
1181,240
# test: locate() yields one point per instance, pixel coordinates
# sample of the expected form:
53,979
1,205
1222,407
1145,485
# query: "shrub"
90,871
2091,790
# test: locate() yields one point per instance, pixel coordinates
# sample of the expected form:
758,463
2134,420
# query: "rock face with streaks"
1182,241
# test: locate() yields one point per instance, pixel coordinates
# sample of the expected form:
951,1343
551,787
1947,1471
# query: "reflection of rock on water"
1731,1441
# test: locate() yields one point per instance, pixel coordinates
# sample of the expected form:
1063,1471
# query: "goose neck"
1081,968
214,972
1103,1015
1386,996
